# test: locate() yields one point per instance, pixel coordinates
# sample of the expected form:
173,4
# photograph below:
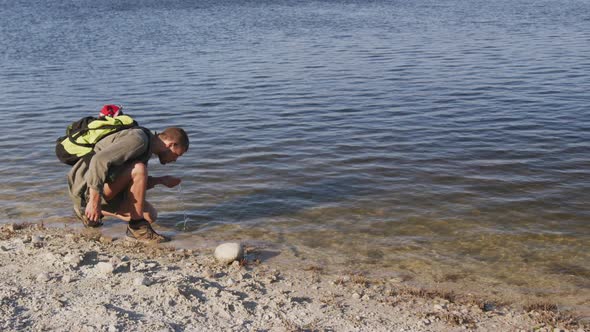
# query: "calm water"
443,142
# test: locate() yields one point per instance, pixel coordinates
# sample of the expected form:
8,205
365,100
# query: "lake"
443,143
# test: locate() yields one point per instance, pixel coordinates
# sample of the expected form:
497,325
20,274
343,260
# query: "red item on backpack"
111,110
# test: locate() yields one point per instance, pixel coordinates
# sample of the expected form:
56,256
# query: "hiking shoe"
142,231
87,222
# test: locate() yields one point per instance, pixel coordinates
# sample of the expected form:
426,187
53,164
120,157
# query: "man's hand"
168,181
93,212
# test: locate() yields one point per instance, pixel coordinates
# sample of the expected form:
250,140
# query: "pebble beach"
61,279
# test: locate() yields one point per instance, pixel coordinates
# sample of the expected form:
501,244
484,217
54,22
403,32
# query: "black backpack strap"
149,135
79,128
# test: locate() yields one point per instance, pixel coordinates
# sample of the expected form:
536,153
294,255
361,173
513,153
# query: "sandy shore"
60,279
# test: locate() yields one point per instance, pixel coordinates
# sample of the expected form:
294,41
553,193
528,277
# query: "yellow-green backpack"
82,135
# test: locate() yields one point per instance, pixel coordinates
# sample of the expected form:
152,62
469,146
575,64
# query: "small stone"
11,228
122,267
208,273
115,261
273,277
43,277
73,260
229,252
356,296
48,258
229,282
426,322
137,267
105,268
151,265
440,307
66,279
36,239
239,276
113,328
139,281
105,239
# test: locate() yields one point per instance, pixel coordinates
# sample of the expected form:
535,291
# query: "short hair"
177,135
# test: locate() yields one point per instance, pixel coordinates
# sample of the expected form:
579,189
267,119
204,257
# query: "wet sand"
86,280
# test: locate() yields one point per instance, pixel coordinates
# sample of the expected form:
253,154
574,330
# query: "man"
114,181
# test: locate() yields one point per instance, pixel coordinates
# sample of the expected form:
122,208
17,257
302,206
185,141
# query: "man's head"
174,144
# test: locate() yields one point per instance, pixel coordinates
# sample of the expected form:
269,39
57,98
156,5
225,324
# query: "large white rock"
229,252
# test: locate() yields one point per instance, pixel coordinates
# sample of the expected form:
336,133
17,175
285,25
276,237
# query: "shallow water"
444,142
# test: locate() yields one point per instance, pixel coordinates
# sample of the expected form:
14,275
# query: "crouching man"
115,180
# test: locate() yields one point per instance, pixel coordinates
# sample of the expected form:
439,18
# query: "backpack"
82,135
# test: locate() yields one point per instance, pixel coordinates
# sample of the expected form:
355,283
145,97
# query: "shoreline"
69,279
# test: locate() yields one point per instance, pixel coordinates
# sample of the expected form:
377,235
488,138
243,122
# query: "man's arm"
168,181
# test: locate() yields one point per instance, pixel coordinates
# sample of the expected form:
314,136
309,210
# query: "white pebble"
43,277
73,259
439,307
228,252
139,281
105,268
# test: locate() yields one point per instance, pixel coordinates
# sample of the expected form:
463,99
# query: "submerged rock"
229,252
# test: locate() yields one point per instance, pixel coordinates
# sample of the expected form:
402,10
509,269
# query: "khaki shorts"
114,204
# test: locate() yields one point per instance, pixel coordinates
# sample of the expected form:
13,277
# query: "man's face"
172,152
